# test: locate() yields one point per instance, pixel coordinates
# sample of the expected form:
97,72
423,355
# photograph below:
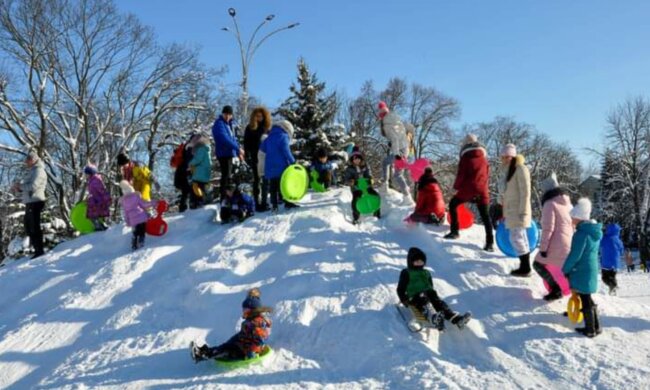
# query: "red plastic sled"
465,217
416,168
157,226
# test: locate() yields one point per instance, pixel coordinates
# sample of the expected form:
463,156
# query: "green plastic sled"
367,203
315,185
294,183
233,364
78,218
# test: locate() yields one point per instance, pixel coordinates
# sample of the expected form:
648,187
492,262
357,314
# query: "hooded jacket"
277,152
473,175
429,200
581,265
557,229
99,200
516,196
353,172
224,138
413,280
611,248
201,164
135,209
34,183
393,129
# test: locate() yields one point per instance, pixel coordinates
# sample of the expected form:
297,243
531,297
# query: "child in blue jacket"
236,205
581,266
324,168
611,250
277,158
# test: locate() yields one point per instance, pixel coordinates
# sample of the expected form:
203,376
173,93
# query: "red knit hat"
383,109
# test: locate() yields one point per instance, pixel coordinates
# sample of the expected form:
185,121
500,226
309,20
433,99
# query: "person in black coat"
182,174
258,125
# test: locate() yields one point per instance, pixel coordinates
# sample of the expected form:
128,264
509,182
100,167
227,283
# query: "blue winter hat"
90,170
251,303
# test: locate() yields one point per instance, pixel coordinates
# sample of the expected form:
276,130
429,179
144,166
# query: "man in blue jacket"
226,146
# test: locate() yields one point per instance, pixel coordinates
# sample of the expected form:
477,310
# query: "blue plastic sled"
503,238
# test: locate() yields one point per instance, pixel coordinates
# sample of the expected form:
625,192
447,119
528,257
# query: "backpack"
177,157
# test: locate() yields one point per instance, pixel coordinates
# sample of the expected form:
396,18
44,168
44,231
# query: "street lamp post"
247,51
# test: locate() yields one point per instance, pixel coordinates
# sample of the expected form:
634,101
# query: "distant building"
592,187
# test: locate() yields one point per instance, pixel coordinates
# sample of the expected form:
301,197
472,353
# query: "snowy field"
91,314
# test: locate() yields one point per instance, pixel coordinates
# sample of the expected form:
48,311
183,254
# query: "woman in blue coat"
581,266
201,170
278,158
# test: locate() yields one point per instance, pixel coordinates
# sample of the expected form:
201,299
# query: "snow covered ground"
91,314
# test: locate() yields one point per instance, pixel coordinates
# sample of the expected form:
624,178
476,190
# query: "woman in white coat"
515,199
394,130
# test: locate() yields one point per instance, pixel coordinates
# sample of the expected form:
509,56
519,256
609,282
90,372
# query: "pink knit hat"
383,109
509,150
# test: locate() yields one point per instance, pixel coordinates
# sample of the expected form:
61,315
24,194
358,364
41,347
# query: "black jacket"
252,141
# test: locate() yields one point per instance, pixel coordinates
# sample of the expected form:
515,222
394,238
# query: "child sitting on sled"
236,205
415,289
251,339
430,205
324,168
358,169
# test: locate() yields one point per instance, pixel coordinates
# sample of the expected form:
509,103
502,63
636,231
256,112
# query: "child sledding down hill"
430,205
611,251
581,267
236,205
251,339
358,169
135,213
415,288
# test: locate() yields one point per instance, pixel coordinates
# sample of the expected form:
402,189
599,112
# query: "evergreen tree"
311,110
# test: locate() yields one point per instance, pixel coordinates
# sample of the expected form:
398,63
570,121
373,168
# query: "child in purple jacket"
135,213
99,200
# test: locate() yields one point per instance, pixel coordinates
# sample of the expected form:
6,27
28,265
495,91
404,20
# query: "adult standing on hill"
258,125
471,185
515,199
226,146
394,130
32,188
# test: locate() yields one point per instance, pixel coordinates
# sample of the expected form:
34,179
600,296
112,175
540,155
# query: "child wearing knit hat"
135,213
581,266
249,342
415,290
99,199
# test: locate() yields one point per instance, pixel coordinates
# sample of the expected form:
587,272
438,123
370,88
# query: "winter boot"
461,320
436,319
290,205
452,235
378,214
597,327
589,329
524,267
134,242
489,247
554,295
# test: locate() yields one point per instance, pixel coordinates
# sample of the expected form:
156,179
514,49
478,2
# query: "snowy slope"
91,314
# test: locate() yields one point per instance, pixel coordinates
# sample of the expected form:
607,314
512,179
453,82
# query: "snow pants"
230,349
420,302
544,273
519,241
225,168
395,177
32,222
608,277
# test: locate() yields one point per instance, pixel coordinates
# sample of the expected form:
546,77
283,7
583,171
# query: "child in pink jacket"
557,232
135,213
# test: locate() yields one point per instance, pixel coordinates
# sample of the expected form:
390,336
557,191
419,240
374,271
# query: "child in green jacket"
415,288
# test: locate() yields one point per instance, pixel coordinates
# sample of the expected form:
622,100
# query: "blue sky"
560,65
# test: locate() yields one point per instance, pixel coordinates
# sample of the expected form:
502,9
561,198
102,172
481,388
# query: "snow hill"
91,314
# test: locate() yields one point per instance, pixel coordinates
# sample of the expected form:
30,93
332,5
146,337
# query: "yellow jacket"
142,181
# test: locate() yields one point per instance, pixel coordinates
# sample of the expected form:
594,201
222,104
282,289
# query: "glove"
543,254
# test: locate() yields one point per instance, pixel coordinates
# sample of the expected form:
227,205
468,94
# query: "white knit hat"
582,210
286,126
470,139
126,187
549,183
509,150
